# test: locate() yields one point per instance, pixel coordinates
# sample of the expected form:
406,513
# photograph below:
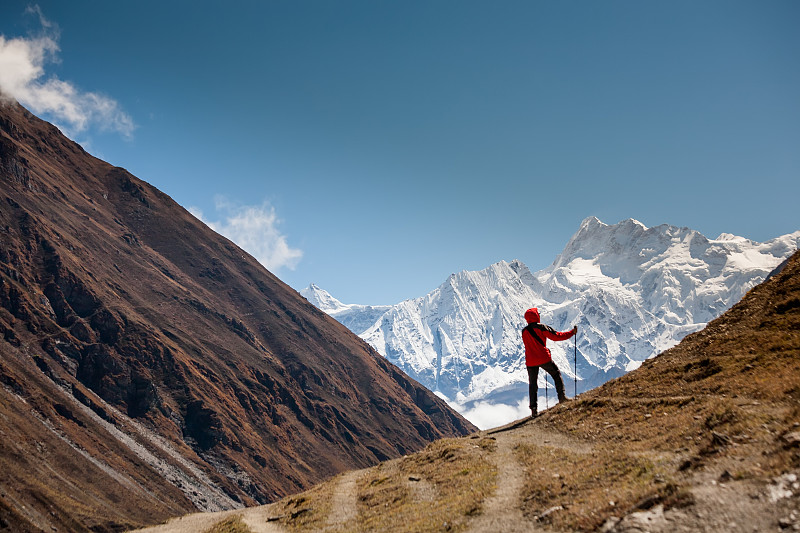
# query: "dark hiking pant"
533,387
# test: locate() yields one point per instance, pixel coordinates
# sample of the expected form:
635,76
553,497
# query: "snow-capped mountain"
633,291
355,317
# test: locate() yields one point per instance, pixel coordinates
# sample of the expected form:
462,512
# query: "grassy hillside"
706,436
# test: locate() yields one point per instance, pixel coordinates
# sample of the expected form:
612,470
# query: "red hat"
532,315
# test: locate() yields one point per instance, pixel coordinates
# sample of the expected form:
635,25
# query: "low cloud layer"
254,229
23,78
487,415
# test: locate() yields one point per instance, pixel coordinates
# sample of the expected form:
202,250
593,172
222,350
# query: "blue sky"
376,147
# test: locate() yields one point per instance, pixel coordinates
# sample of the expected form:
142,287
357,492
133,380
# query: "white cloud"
488,415
23,77
254,229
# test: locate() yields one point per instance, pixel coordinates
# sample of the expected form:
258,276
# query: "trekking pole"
546,401
575,367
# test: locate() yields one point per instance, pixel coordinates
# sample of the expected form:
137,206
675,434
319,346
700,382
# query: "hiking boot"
564,400
534,412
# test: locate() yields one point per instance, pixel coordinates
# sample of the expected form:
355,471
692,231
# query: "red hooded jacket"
536,352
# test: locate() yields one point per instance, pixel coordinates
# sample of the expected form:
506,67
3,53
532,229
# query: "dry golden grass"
720,401
653,435
308,511
233,524
456,478
438,487
582,490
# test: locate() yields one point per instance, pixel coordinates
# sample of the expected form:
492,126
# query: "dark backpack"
541,327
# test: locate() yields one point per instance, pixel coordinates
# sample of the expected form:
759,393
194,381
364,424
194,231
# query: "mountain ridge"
632,290
702,437
353,316
159,368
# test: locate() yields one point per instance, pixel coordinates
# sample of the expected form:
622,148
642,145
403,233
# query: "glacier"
633,292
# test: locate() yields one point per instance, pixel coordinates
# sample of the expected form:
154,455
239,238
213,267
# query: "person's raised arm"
554,335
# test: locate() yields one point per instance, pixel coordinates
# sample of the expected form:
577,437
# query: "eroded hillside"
149,367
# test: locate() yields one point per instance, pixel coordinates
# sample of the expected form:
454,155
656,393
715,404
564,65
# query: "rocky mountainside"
150,367
633,291
703,437
357,318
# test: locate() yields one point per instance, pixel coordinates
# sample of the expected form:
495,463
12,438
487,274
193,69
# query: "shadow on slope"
706,436
150,367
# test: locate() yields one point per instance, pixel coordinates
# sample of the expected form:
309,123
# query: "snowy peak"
633,291
727,237
467,327
627,239
678,274
356,317
499,276
322,299
627,251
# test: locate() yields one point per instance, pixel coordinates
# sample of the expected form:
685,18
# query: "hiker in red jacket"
534,337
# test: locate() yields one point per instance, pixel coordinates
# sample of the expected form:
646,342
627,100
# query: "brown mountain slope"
150,367
704,437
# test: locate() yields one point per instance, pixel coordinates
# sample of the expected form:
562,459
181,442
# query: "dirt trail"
192,523
344,504
527,431
735,505
255,518
502,511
